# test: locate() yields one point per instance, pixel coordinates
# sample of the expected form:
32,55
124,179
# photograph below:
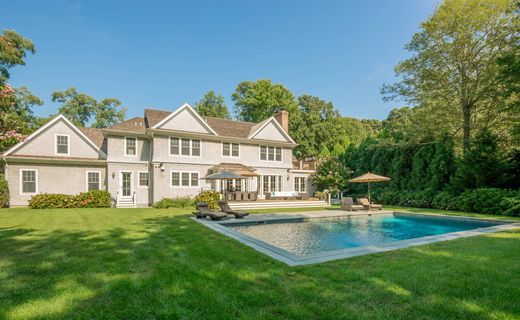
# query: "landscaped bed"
151,263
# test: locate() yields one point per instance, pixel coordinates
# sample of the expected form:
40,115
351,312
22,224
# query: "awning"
237,168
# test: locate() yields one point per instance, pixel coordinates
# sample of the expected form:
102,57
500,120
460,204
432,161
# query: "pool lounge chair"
227,209
348,204
205,211
369,206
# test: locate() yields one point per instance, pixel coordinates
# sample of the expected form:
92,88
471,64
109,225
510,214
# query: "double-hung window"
93,180
270,153
29,181
143,179
230,149
62,144
185,147
184,179
130,146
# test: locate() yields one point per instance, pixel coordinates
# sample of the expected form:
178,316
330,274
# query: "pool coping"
296,260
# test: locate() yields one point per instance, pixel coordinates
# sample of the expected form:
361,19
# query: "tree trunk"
466,111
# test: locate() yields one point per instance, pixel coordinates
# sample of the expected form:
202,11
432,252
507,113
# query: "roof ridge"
232,120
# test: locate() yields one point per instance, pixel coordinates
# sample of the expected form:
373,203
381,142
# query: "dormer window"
62,144
130,146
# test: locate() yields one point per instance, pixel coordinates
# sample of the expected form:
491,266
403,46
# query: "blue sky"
160,54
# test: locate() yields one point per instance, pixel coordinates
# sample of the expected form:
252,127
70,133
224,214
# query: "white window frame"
86,179
136,147
56,144
267,154
230,150
180,147
299,184
189,179
139,179
279,178
35,182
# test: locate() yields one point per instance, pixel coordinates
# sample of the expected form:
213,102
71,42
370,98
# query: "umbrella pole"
369,201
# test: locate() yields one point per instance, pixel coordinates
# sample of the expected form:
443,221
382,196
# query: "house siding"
55,178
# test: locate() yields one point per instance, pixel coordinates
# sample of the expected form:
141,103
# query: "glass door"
126,184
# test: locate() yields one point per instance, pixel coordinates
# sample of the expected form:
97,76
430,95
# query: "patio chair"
253,196
205,211
348,204
227,209
304,196
229,196
368,206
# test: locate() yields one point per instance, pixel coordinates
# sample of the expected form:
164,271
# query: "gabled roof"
257,128
153,116
94,134
59,117
190,110
136,125
230,128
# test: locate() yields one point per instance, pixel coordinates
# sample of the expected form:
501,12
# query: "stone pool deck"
295,260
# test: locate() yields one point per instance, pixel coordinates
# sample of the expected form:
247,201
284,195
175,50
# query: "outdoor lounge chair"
348,204
368,206
225,208
205,211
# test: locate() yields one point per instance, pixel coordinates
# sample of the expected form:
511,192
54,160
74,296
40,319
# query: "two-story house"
161,155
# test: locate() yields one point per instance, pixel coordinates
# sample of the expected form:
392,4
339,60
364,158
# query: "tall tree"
13,50
316,127
454,67
80,108
256,101
108,112
212,105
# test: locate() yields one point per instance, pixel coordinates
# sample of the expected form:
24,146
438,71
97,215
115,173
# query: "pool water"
307,237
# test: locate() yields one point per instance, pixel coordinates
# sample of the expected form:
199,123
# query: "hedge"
4,192
483,200
91,199
179,202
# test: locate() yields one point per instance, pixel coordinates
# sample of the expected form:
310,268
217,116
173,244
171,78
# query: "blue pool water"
319,235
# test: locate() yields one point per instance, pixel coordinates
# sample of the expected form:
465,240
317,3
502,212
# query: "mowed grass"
159,264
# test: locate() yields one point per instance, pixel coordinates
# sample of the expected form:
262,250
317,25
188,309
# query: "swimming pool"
298,239
312,236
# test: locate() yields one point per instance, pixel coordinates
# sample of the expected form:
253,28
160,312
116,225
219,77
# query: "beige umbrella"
369,177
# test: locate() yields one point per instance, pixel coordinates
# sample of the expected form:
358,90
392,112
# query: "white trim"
230,150
86,179
136,148
50,123
276,124
183,107
35,183
267,154
56,144
180,179
139,179
278,179
132,185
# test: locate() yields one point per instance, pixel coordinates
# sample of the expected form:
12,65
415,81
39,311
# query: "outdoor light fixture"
113,175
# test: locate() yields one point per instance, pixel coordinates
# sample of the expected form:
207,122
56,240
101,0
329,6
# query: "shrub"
91,199
445,201
483,200
4,192
320,195
211,197
179,202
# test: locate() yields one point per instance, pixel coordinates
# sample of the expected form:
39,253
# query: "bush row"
91,199
179,202
4,192
483,200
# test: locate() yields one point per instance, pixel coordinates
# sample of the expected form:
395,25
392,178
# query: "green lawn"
152,263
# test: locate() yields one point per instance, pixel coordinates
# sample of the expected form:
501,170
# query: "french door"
126,183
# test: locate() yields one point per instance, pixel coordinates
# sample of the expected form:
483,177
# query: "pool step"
243,205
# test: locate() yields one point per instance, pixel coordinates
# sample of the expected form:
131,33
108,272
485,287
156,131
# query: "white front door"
126,183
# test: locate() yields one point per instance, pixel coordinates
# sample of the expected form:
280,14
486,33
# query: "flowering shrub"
211,197
4,192
91,199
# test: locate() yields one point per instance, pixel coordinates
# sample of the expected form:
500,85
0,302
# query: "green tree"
256,101
454,63
330,175
13,50
212,105
442,165
316,126
108,112
80,108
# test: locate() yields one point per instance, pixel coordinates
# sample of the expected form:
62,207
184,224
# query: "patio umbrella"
224,175
369,177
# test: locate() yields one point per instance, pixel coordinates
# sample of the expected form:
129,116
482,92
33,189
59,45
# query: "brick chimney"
283,119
